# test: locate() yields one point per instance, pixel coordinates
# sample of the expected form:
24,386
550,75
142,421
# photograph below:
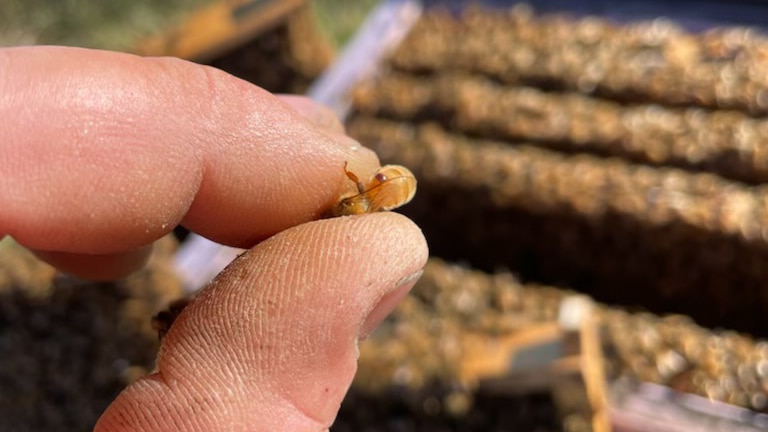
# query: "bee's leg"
354,178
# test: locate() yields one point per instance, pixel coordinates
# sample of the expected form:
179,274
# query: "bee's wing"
391,194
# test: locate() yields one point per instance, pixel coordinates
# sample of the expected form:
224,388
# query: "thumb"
271,344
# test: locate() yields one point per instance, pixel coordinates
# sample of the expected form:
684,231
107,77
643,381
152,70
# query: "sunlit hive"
625,161
621,161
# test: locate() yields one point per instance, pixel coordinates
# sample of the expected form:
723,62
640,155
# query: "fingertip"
277,331
98,267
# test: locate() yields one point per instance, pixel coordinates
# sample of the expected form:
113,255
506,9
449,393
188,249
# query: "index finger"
103,152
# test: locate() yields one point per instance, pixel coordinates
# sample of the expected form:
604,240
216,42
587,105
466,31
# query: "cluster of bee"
543,181
667,212
592,223
729,143
675,352
450,302
652,61
70,345
425,339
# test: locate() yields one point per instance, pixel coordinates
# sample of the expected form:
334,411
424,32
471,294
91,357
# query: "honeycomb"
626,162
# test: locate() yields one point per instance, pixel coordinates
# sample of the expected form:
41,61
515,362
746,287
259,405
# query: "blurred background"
118,25
591,183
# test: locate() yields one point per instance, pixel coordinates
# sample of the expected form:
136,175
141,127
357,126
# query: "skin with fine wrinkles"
281,297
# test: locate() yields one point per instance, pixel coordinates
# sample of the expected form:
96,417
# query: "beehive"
610,186
70,346
275,45
621,160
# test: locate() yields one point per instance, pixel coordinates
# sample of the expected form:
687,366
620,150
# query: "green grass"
118,24
108,24
340,19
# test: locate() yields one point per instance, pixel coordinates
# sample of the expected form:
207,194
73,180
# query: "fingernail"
388,303
358,159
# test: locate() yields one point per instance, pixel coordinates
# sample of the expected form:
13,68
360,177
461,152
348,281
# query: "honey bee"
392,186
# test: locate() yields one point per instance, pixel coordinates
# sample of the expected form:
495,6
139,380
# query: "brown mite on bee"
389,188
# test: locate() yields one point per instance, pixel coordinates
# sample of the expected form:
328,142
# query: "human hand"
103,153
